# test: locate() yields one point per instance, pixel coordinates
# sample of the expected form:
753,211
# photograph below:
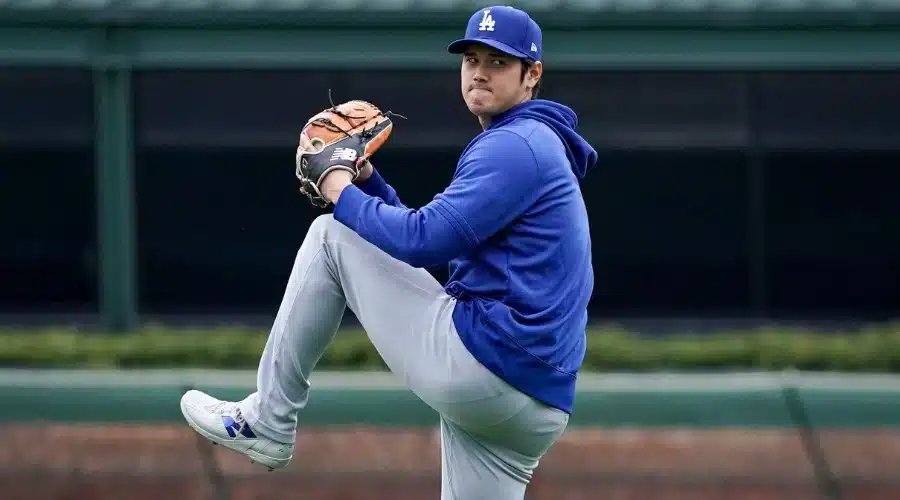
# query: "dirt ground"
144,463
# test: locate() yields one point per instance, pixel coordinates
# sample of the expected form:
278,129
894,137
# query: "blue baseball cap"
504,28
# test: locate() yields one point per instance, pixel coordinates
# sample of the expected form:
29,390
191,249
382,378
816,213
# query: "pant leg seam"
293,302
279,352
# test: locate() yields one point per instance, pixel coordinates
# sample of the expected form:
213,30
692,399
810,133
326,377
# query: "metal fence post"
115,184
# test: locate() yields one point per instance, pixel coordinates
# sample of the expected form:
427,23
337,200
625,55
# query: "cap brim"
459,46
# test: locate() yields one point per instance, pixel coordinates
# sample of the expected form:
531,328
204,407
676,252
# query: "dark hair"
526,65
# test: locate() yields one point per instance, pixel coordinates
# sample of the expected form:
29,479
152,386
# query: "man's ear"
535,72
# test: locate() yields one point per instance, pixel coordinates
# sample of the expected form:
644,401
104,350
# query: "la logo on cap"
487,22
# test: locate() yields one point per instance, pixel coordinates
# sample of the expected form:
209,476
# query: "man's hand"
334,183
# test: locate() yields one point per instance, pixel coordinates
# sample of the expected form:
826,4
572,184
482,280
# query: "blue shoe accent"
233,428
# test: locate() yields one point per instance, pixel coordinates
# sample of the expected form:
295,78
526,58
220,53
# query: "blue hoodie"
513,226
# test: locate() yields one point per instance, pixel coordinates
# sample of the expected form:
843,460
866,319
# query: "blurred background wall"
748,163
748,175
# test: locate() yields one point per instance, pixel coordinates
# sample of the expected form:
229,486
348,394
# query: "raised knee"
321,223
316,234
326,228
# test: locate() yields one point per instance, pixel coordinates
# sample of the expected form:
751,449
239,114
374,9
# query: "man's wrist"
334,184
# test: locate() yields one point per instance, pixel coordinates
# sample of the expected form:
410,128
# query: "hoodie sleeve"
495,182
376,186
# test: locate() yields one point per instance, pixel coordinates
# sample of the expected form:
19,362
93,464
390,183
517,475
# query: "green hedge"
876,349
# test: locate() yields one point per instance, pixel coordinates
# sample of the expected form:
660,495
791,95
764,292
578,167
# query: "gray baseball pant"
492,435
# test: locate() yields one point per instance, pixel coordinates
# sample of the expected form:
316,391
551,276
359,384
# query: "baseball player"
495,352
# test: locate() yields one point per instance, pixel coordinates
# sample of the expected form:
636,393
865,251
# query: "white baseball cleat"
222,423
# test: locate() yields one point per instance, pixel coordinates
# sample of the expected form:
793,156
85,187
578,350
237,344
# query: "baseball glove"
341,137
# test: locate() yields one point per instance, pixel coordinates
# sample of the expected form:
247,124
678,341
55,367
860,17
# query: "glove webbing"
330,125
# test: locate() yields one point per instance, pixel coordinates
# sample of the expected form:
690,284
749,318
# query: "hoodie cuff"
375,185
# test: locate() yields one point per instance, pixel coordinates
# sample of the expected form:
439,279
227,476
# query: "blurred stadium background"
748,183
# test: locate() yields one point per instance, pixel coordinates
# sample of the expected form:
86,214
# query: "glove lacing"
369,132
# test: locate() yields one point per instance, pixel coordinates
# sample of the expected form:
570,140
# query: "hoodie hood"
562,120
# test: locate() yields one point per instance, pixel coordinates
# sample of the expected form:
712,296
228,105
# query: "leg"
400,308
475,467
492,444
404,310
471,470
499,432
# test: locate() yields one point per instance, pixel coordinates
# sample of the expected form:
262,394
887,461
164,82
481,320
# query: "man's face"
492,81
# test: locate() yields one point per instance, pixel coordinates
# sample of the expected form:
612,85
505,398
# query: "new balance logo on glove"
345,154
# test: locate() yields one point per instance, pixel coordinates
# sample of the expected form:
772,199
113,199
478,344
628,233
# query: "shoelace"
229,408
221,407
232,409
